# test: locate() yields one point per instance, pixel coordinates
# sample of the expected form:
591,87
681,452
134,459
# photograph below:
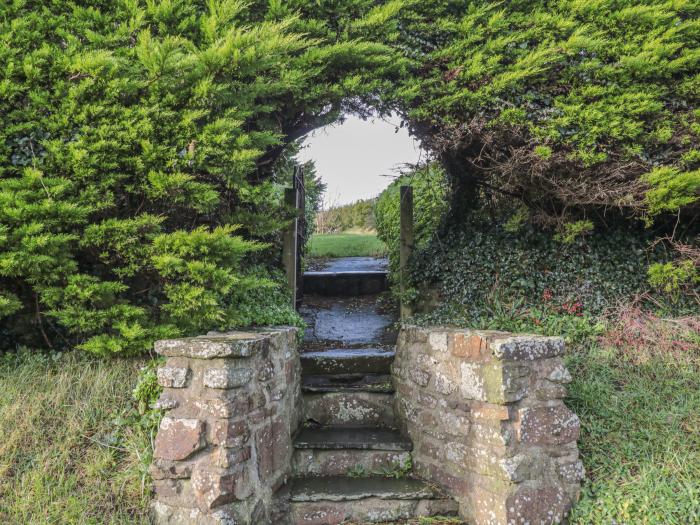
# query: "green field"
346,245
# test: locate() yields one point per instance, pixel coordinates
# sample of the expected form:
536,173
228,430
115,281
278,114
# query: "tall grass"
66,455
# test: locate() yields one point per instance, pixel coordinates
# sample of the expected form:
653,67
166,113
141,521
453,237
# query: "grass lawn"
64,456
346,245
640,440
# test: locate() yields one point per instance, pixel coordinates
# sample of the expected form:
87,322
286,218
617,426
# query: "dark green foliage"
480,269
138,153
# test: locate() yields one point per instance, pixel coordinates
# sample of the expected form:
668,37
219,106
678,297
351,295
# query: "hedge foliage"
430,205
572,106
584,111
357,215
141,139
481,267
495,269
138,192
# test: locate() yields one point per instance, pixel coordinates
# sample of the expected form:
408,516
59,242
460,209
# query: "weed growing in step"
358,471
397,470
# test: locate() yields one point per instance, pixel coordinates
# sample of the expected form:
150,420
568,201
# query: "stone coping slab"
217,345
485,344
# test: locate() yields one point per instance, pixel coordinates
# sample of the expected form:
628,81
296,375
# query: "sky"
358,159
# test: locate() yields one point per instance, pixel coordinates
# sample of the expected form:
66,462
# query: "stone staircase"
350,463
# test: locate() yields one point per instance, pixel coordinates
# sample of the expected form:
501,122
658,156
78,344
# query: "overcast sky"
354,158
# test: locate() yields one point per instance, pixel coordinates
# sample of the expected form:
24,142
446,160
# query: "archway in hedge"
145,146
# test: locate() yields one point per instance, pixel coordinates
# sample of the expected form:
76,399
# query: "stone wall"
485,413
224,446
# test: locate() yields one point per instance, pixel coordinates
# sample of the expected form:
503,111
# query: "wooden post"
289,245
406,244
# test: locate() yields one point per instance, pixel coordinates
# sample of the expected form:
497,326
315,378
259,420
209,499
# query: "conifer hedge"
141,140
575,106
139,195
580,116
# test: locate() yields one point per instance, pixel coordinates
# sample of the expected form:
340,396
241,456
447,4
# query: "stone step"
351,264
348,462
333,500
347,451
348,383
338,322
349,409
360,438
363,360
345,283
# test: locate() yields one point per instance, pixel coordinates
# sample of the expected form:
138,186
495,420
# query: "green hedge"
575,107
137,136
430,204
138,192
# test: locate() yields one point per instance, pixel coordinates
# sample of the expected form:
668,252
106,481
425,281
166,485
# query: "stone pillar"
224,446
486,416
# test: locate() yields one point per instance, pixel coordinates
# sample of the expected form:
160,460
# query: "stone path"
355,264
350,462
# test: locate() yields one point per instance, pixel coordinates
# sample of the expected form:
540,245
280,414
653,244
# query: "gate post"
300,185
405,244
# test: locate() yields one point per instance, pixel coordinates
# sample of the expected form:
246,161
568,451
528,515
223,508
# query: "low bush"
429,206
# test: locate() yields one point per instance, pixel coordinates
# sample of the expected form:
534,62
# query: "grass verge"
346,245
640,440
67,454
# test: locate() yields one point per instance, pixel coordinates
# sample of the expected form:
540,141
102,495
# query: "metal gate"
295,236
